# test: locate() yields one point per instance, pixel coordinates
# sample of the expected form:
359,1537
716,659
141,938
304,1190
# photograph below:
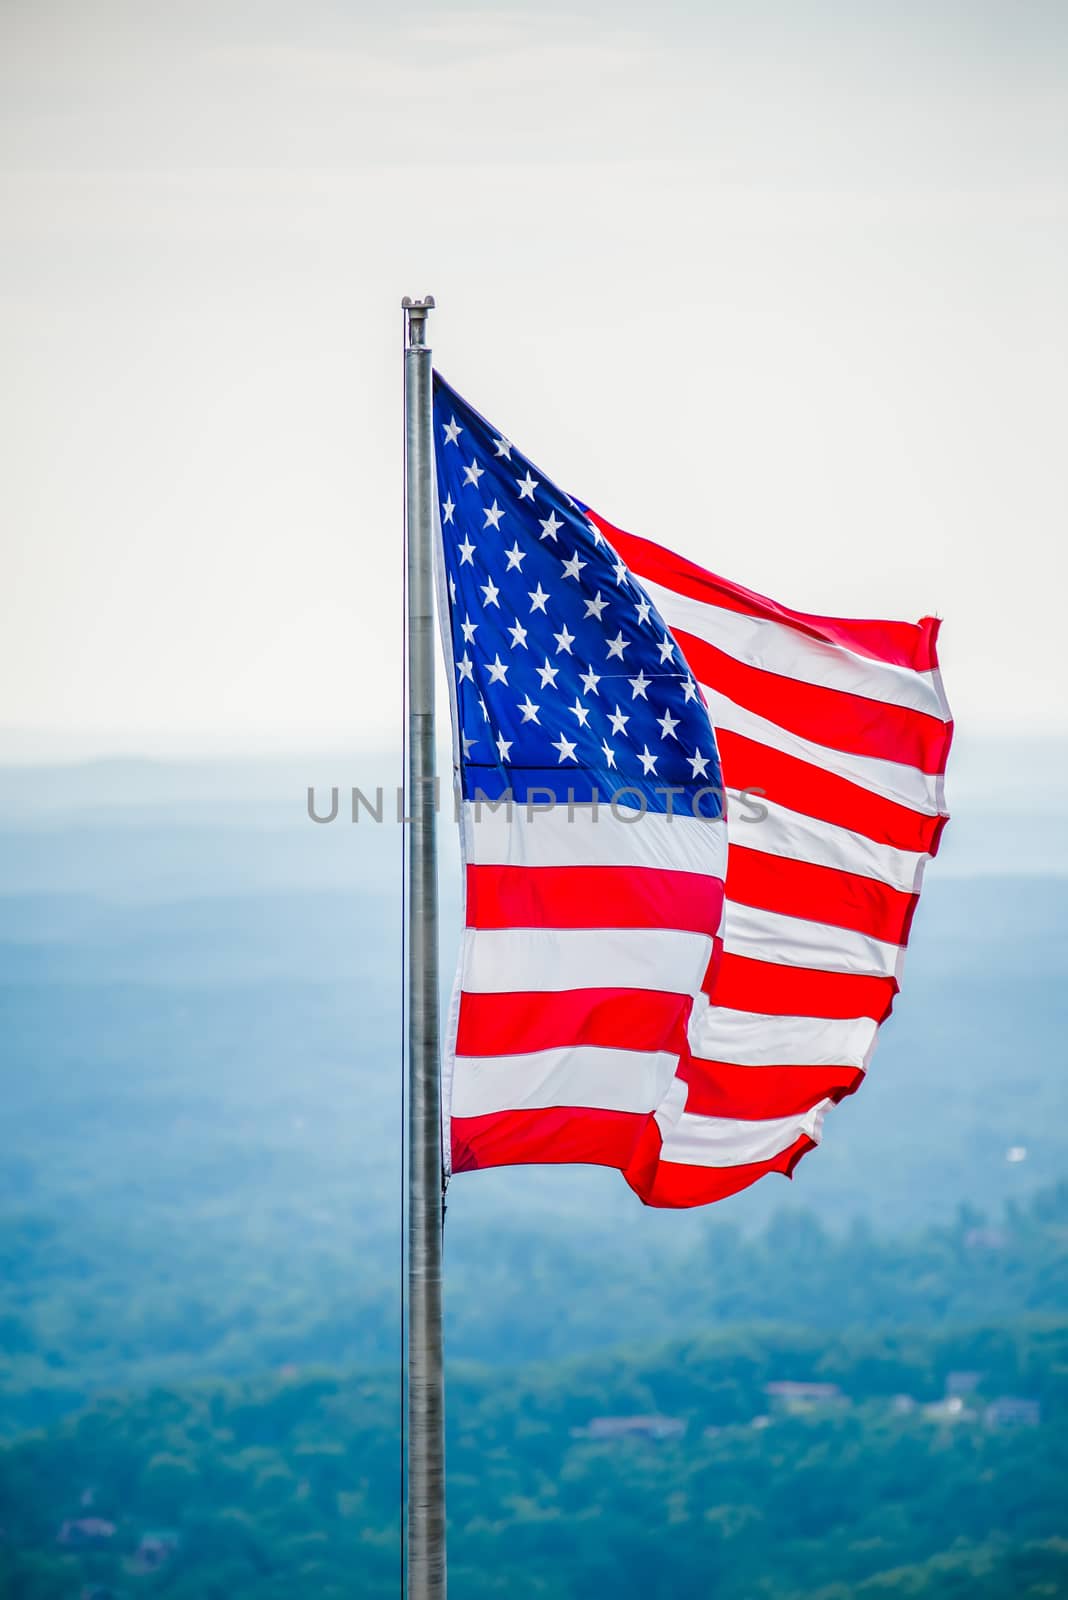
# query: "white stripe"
594,839
723,1142
751,1039
521,960
793,942
783,832
921,791
582,1075
777,647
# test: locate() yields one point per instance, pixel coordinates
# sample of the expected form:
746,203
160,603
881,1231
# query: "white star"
452,590
620,570
648,762
503,746
516,557
548,674
643,609
452,431
519,635
618,721
595,606
497,669
699,763
551,526
448,506
491,591
485,709
598,536
526,486
469,745
573,567
529,710
589,681
473,472
579,710
639,685
467,551
564,640
565,747
667,724
689,689
466,667
493,515
502,447
538,598
617,645
609,753
667,649
468,629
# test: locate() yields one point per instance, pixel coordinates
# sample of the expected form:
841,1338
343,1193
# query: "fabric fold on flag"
694,827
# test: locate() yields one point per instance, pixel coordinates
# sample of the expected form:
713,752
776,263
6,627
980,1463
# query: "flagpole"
425,1361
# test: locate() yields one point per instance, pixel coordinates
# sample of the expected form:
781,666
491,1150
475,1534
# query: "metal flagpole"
425,1364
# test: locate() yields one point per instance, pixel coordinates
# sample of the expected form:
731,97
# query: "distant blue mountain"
199,1007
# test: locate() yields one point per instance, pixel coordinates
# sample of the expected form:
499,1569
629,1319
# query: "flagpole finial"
417,311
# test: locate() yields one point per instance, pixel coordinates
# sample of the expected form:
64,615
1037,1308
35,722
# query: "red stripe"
557,1135
671,1184
903,644
743,984
615,1019
819,894
832,717
813,792
504,897
592,897
723,1089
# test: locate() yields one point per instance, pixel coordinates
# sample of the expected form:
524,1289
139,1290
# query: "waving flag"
613,1004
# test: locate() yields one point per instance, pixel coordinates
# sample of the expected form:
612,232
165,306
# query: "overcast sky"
782,287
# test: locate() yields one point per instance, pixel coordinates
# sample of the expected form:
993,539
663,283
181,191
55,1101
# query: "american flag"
655,977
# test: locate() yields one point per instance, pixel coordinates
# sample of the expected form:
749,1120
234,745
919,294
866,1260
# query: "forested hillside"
199,1190
699,1467
85,1313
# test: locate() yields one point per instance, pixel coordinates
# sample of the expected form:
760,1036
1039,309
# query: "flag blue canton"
566,679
